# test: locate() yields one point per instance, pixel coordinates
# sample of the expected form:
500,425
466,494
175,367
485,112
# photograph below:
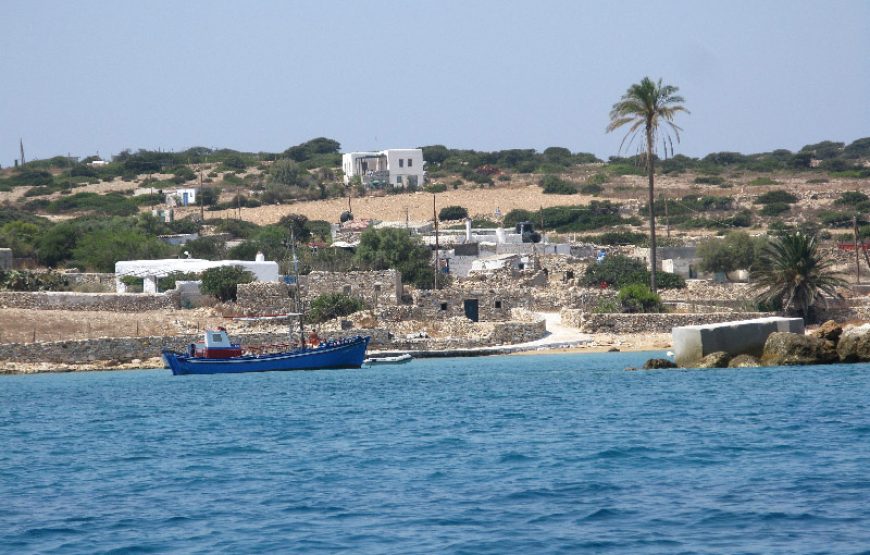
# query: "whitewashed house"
181,197
399,167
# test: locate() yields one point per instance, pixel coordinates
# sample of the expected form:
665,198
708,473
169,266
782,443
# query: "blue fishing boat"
216,355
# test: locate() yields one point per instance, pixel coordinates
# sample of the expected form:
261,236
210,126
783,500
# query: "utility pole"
201,207
435,219
857,260
667,218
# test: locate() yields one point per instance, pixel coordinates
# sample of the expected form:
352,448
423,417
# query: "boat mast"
297,297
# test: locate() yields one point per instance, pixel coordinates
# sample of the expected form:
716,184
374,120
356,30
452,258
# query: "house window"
401,162
521,266
410,162
569,274
398,179
443,306
498,304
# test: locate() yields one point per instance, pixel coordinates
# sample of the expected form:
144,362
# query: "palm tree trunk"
652,212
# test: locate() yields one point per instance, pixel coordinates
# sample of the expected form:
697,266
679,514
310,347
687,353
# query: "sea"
514,454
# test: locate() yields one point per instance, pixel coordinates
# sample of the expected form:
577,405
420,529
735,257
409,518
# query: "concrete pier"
692,343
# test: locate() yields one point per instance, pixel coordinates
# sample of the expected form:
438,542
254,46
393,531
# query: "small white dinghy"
400,359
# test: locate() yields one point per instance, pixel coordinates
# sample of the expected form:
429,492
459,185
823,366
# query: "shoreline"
598,344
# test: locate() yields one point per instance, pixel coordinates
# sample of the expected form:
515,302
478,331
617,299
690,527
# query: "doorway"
471,309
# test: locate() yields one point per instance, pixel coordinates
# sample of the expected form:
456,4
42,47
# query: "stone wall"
91,281
378,288
648,323
265,298
113,302
125,349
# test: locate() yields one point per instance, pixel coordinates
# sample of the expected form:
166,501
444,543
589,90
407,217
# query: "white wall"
405,163
397,163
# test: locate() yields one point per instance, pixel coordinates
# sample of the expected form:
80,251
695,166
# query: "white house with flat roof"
399,167
151,270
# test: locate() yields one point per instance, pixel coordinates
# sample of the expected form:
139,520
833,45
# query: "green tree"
649,107
452,213
223,281
737,251
100,249
795,274
619,271
391,248
638,297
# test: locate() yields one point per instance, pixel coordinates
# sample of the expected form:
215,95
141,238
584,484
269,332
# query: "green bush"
333,305
25,280
391,248
453,213
709,180
433,188
168,282
778,196
554,185
639,298
775,208
619,271
113,204
222,282
591,189
763,181
616,238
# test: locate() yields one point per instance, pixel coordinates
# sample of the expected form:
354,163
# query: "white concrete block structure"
692,343
399,167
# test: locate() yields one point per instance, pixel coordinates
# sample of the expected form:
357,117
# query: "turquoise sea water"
539,454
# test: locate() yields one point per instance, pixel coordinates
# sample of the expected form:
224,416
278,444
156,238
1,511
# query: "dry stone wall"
648,323
113,302
374,288
265,298
125,349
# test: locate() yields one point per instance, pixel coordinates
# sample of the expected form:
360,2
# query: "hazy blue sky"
78,77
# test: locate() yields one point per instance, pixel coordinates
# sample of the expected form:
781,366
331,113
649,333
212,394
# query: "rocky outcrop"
829,331
744,361
658,363
854,344
790,349
719,359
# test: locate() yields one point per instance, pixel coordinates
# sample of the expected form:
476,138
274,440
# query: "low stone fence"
114,302
265,298
510,333
125,349
648,323
91,281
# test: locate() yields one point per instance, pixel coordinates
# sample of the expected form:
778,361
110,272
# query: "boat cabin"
215,344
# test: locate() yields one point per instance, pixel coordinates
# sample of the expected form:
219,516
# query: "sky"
103,76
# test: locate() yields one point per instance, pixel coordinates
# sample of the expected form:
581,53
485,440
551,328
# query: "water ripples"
549,454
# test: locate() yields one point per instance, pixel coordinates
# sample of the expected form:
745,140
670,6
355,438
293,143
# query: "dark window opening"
443,306
498,304
569,274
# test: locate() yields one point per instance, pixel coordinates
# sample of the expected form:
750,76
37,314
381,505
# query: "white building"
181,197
400,167
151,270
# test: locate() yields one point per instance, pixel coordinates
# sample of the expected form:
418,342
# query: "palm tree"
795,273
649,107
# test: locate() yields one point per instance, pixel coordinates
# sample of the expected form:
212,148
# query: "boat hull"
349,353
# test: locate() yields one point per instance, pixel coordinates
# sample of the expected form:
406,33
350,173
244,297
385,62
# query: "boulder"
854,344
719,359
744,361
829,331
788,349
657,363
